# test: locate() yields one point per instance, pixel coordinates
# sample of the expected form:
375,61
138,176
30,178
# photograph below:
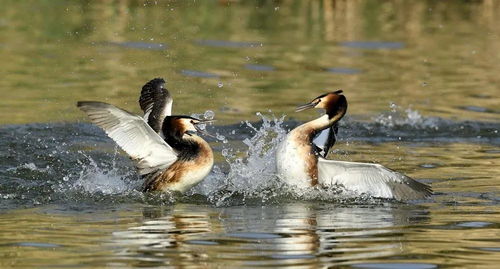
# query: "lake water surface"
421,78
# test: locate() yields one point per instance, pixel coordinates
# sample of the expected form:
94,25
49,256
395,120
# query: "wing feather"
156,103
372,179
325,140
149,151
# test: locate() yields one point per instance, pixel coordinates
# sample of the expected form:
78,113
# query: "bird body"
297,162
166,149
195,161
302,164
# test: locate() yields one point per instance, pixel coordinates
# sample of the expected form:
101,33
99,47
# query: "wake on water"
43,163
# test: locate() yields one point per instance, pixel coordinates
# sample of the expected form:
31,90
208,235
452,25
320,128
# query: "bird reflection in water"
300,233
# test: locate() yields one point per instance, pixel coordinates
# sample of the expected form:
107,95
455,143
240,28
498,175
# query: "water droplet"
202,126
209,115
393,107
428,165
220,137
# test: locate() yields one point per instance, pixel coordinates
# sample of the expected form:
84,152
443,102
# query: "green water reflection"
439,57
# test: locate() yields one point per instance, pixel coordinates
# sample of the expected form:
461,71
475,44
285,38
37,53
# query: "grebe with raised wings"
302,164
166,149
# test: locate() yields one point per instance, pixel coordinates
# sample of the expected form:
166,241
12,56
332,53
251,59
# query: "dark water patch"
201,242
198,74
462,198
373,45
139,45
474,224
465,225
481,96
228,44
430,130
490,249
478,109
259,67
36,245
343,70
491,151
256,236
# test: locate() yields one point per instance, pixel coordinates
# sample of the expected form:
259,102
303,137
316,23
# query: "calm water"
422,82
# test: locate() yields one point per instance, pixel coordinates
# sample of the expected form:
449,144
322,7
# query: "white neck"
321,123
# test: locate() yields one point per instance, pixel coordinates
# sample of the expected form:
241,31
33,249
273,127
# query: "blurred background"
238,57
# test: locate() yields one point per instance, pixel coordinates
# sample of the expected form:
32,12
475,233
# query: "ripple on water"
199,74
395,265
259,67
491,249
256,236
478,109
202,242
373,44
343,70
36,245
428,165
474,224
140,45
228,44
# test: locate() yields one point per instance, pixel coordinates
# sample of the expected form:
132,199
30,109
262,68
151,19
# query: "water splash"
251,173
94,179
29,166
406,117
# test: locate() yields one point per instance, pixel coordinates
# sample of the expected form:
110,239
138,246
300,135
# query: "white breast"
191,178
291,164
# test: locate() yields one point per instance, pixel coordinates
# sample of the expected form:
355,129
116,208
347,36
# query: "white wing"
133,135
372,179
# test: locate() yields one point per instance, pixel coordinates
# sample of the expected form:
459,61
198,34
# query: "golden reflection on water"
74,50
300,233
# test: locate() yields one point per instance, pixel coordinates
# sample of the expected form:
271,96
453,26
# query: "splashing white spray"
251,173
407,117
94,179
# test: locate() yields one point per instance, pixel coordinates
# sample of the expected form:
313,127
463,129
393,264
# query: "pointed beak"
207,121
199,130
306,106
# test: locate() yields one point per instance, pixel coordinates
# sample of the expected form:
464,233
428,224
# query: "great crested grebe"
302,164
166,149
